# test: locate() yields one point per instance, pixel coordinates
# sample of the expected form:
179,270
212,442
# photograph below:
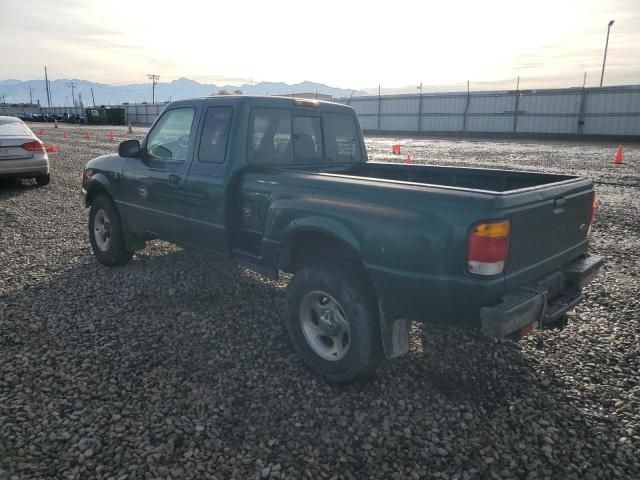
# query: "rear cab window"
342,138
285,137
270,137
307,139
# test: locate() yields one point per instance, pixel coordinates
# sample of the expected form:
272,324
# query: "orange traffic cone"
409,159
130,129
87,135
395,149
41,132
55,123
64,134
618,158
111,137
53,148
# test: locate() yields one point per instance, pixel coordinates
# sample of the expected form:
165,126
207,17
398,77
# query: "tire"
333,321
106,233
43,180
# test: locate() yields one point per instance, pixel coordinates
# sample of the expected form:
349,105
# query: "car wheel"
106,233
333,321
43,180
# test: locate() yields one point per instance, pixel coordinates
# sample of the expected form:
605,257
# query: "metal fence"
143,113
570,111
135,113
11,110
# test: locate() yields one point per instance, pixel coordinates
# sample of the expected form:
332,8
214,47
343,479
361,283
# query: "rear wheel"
106,233
43,180
333,321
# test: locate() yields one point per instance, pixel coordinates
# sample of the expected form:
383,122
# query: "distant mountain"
17,91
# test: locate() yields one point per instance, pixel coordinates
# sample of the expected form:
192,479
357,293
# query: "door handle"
174,180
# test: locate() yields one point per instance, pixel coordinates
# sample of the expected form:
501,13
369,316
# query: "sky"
360,45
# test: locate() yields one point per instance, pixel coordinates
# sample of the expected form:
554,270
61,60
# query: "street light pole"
606,46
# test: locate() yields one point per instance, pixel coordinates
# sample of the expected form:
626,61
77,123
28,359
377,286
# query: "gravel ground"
177,367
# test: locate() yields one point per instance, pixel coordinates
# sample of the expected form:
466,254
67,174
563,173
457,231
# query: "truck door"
155,183
206,207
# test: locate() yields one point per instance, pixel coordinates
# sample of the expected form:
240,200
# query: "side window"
215,133
169,139
307,140
270,137
341,138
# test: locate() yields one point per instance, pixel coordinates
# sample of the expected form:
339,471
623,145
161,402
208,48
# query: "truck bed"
549,213
458,177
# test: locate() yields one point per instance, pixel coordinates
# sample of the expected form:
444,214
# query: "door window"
307,139
169,139
215,133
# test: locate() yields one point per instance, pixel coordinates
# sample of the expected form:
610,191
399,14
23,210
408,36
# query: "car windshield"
10,127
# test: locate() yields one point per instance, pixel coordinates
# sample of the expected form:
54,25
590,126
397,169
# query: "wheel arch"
98,186
316,238
298,249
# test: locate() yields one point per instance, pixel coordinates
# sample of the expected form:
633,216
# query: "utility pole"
606,46
379,106
154,79
515,111
420,107
72,84
30,96
93,98
46,87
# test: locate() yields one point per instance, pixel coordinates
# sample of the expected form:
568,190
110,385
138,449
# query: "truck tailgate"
548,230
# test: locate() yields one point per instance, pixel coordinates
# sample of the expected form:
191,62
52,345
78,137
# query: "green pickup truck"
283,185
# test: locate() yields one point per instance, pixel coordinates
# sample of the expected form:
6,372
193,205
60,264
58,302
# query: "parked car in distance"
283,185
22,154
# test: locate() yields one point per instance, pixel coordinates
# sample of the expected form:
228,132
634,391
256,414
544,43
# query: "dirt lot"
177,367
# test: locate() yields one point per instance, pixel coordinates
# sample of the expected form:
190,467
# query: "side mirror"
129,148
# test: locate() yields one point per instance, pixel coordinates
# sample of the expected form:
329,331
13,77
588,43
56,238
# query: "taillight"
592,216
488,248
35,146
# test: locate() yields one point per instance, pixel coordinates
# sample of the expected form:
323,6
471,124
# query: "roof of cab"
267,101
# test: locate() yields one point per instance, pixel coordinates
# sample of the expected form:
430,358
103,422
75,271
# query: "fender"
98,180
325,225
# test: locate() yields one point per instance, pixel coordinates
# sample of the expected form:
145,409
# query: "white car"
22,154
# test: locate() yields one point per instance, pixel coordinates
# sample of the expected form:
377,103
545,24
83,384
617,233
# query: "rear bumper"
541,302
27,167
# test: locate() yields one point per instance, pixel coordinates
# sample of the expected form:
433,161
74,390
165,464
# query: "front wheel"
106,233
333,321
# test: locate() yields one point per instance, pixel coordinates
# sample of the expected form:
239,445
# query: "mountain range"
18,91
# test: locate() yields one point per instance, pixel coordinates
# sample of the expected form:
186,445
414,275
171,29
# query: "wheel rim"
325,325
102,230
